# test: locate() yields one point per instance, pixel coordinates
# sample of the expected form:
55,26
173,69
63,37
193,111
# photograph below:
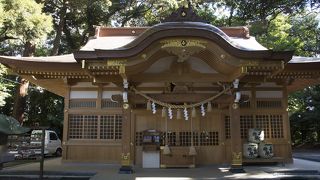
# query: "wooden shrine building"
206,87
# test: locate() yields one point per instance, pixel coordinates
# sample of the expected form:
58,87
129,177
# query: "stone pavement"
308,155
300,168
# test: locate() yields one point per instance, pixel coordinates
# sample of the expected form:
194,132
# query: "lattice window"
246,122
185,138
111,127
276,126
107,103
262,122
172,139
227,127
75,126
139,138
82,103
269,103
209,138
245,104
195,138
90,127
107,127
86,127
118,127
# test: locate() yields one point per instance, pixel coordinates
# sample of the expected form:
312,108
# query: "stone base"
125,170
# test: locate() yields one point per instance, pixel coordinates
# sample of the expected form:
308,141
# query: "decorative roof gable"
184,13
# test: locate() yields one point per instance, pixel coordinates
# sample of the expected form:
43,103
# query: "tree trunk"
20,100
230,16
57,39
22,88
29,49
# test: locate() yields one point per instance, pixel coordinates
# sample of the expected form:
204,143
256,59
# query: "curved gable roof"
182,29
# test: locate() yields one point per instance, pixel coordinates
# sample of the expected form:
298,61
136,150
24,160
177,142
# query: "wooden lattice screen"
138,138
90,127
107,103
75,126
262,122
82,103
209,139
227,127
246,122
172,139
269,103
272,125
276,122
184,138
107,127
86,127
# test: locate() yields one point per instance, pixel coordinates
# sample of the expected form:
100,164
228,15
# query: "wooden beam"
170,77
178,98
239,73
108,79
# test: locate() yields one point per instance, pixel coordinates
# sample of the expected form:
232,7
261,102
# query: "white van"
52,143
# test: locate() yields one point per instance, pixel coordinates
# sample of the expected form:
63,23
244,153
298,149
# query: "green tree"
23,20
45,108
5,86
304,108
22,24
279,37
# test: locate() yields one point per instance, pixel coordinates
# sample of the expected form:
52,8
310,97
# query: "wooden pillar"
126,155
126,163
286,125
65,124
236,144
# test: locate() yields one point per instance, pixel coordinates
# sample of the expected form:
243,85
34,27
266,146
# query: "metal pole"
42,152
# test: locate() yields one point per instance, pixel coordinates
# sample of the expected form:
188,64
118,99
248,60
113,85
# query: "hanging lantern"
209,107
185,113
154,110
170,113
148,105
164,112
178,114
203,111
193,113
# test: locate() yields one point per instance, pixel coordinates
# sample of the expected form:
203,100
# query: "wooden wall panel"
138,160
86,153
210,155
228,153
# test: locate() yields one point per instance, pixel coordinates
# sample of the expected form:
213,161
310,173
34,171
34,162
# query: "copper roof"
239,31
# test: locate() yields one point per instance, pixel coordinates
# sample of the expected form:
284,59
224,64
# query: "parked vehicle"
52,143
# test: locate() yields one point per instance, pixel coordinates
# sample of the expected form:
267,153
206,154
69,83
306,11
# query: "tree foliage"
23,20
304,108
4,86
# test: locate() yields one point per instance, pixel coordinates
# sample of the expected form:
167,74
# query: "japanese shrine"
181,93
